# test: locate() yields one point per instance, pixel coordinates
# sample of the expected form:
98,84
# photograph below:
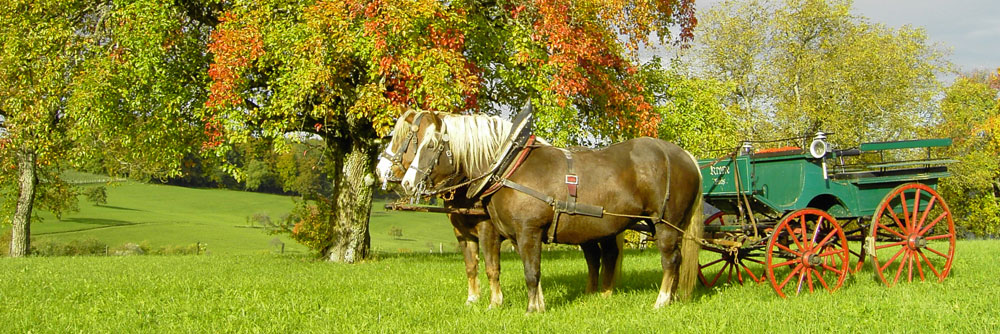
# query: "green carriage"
803,219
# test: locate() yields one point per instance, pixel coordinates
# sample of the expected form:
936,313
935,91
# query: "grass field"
244,285
425,293
161,215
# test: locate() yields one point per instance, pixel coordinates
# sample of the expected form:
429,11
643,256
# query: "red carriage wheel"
731,265
913,235
807,251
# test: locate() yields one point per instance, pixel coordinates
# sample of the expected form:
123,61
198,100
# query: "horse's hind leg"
490,240
668,240
611,259
592,253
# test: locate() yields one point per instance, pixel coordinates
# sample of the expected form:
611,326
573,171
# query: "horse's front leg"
470,252
530,248
592,253
490,239
668,240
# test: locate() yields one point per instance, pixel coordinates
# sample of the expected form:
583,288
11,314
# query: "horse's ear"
528,107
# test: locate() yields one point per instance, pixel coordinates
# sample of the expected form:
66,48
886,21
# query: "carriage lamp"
746,149
818,149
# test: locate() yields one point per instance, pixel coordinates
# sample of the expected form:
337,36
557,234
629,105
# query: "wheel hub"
812,260
915,242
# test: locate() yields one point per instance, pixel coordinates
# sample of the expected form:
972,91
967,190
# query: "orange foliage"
234,49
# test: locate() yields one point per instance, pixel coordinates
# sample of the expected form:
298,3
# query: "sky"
970,29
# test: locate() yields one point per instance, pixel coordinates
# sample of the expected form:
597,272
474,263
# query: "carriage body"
767,197
780,182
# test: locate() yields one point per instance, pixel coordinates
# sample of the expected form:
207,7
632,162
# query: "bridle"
396,158
442,147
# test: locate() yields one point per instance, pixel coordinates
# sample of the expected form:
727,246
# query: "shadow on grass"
118,208
96,223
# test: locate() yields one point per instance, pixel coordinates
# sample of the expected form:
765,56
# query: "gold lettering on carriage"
721,170
718,171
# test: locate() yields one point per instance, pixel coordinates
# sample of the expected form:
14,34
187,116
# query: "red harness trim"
510,170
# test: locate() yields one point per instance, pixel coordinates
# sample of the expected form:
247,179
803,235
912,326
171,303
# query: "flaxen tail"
691,244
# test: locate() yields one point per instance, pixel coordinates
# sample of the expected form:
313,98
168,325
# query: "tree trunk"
352,199
20,240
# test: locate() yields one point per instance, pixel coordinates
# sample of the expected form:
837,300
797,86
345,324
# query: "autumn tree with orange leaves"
345,69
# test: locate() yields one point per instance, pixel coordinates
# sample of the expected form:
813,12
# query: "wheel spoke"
809,278
791,234
909,272
906,212
749,272
895,218
920,268
822,281
899,270
754,260
826,239
900,235
893,259
833,252
891,245
916,209
936,252
714,250
835,270
710,263
788,249
936,220
927,210
803,230
729,278
719,274
929,264
936,237
790,275
819,223
802,277
785,263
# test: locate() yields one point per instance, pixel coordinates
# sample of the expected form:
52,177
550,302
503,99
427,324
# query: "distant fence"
95,180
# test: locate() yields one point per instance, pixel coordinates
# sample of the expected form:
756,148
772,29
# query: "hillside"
162,215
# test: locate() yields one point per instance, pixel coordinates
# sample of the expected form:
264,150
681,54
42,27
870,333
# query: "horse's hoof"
471,300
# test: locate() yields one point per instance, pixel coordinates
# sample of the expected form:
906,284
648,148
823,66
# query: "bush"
97,195
48,247
5,242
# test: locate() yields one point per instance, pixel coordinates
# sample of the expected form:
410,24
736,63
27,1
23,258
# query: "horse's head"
399,152
433,164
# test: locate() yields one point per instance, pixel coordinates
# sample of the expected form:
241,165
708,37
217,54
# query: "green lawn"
163,215
415,293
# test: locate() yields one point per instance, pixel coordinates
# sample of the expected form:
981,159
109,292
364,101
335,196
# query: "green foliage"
693,111
277,294
973,191
38,65
97,195
802,66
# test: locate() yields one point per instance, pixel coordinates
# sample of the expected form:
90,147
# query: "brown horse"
643,178
470,230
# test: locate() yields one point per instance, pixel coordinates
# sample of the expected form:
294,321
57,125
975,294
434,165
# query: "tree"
343,70
969,111
38,62
803,66
111,84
